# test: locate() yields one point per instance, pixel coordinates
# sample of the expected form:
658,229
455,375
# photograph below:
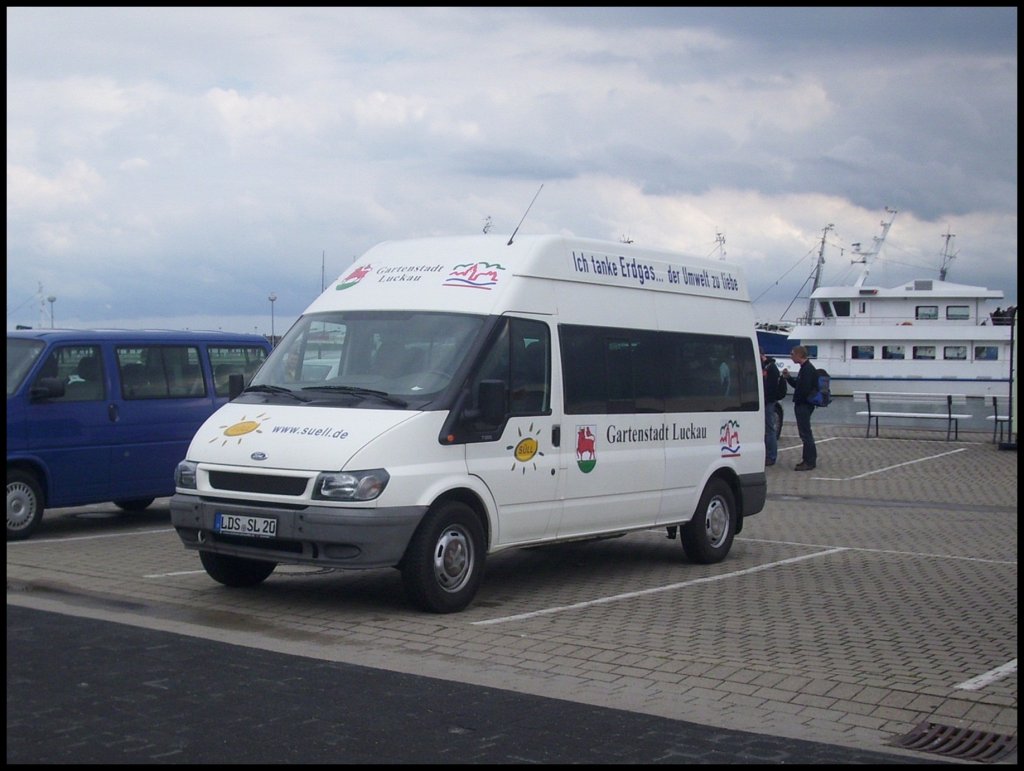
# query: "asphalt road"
86,691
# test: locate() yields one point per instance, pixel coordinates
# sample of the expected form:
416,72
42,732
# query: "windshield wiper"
273,389
357,391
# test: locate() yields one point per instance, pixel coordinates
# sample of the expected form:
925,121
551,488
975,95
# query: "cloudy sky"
173,167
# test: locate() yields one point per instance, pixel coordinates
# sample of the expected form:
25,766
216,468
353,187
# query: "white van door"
520,466
614,432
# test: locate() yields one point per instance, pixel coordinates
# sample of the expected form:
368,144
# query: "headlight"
350,485
185,474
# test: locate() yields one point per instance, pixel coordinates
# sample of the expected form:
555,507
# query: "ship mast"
817,272
947,258
867,257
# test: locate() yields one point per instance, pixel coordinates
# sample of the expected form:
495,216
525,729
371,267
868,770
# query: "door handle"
112,412
556,436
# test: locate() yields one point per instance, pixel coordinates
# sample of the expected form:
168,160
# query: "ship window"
826,309
842,307
862,307
892,352
954,352
958,312
812,351
926,312
863,351
924,351
986,352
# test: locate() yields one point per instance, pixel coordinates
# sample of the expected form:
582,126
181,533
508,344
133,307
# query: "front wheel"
24,504
445,558
236,572
708,536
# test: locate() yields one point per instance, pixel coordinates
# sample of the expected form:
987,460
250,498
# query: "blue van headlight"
185,474
350,485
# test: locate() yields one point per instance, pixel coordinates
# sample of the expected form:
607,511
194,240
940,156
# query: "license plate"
240,524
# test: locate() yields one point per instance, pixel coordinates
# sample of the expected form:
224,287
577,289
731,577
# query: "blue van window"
160,371
81,367
226,361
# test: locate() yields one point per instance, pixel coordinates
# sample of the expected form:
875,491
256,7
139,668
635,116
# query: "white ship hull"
923,337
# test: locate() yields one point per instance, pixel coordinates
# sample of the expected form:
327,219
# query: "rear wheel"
24,504
445,558
708,536
235,572
136,504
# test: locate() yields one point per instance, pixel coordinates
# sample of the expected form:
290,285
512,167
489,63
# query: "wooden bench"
936,400
998,421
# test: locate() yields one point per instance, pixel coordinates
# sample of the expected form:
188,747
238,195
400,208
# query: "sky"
176,167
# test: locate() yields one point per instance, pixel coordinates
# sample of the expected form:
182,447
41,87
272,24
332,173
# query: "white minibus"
449,398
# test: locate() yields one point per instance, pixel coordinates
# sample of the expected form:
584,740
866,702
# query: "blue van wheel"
24,504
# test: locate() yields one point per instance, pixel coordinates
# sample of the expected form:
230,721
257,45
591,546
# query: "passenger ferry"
922,336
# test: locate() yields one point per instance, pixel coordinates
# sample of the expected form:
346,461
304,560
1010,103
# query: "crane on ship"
868,257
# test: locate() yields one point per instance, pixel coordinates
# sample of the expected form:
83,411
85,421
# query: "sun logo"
240,429
525,450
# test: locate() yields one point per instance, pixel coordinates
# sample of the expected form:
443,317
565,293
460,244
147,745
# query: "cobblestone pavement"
877,593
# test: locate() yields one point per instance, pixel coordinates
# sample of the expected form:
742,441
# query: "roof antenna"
524,215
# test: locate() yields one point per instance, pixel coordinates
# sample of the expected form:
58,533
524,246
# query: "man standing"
804,385
770,377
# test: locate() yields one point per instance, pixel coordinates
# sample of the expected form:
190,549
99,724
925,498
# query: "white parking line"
654,590
979,682
801,445
890,468
87,537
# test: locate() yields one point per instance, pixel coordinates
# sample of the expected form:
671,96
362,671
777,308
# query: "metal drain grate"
962,743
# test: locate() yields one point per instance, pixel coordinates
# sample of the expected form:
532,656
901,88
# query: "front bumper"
320,535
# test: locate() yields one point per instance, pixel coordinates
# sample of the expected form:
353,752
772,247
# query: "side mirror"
491,401
47,388
236,384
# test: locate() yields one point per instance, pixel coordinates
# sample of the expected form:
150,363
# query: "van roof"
434,273
138,335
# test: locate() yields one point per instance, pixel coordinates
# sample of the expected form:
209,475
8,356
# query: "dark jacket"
805,383
770,375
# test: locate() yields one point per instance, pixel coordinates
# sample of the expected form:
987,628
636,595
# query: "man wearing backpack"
804,385
772,379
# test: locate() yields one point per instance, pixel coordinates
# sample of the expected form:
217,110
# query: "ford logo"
258,456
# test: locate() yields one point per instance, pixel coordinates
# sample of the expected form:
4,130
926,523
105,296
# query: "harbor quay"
873,600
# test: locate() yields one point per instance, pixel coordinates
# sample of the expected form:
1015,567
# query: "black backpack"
780,391
822,396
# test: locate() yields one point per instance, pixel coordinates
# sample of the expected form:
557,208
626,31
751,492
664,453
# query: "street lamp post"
273,299
51,299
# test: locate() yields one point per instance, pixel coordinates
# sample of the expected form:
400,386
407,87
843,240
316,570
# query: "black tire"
137,504
444,561
24,504
707,537
779,415
236,572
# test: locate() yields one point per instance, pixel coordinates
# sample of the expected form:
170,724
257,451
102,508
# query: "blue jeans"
771,439
803,427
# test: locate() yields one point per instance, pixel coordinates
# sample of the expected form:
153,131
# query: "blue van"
106,415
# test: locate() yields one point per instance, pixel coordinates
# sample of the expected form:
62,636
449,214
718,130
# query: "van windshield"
21,355
364,355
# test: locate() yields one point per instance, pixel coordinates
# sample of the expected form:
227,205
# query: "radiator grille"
257,483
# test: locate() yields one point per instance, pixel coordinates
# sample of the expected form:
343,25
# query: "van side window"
521,358
82,366
226,361
610,370
160,371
